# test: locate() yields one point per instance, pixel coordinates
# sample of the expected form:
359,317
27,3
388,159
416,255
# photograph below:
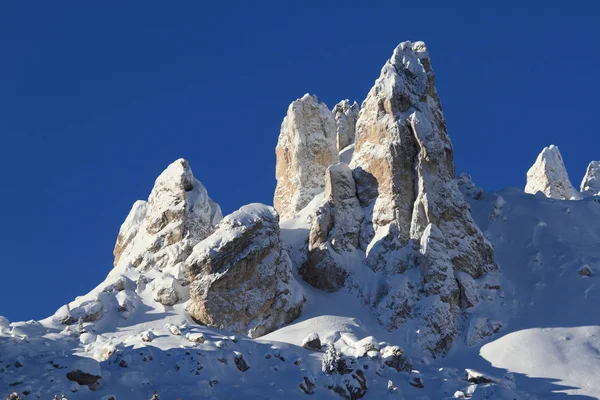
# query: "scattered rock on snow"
307,386
585,271
393,357
148,336
415,379
84,379
312,342
195,337
240,363
478,377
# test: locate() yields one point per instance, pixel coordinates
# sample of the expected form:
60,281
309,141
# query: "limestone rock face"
306,147
400,207
549,176
335,229
241,278
591,181
345,115
162,231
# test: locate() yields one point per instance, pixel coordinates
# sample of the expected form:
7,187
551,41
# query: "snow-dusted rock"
162,231
393,357
147,336
591,181
334,230
415,379
468,188
312,342
585,270
130,228
4,324
306,147
87,311
62,316
167,290
401,208
549,175
195,337
241,278
345,115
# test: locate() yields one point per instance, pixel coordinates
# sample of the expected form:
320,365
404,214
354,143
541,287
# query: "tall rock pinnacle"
178,212
549,176
401,206
306,147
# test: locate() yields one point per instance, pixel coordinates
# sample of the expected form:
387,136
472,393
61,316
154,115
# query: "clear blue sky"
97,98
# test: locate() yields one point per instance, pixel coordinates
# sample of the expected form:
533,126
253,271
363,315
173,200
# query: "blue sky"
97,98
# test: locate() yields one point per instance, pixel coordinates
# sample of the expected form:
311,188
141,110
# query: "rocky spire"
306,147
177,215
345,115
402,208
549,176
591,180
403,160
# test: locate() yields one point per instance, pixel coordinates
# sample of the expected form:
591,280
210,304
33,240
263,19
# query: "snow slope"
548,346
541,245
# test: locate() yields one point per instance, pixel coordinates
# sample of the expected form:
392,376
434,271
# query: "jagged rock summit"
397,211
549,175
306,147
591,181
178,212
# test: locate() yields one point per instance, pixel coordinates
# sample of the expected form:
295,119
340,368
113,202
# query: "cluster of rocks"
392,225
395,209
176,248
346,364
548,175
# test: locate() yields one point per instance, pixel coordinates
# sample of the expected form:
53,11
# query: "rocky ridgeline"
549,176
396,210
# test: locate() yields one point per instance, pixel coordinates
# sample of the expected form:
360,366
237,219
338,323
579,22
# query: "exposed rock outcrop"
549,176
401,207
591,181
345,115
241,278
162,231
306,147
335,229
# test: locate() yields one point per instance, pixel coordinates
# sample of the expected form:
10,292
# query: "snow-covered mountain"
378,273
